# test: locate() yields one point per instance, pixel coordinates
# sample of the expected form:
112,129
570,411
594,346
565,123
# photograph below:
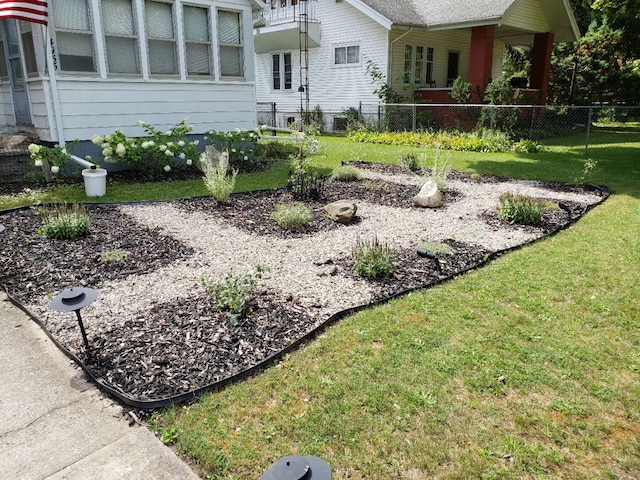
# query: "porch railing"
278,12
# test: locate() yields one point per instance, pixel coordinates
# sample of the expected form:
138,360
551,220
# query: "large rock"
429,196
341,211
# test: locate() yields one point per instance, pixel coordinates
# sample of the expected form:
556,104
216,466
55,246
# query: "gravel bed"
154,329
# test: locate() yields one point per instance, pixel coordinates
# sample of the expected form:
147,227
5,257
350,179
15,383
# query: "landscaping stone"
429,196
341,211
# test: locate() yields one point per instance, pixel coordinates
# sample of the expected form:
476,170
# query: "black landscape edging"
127,400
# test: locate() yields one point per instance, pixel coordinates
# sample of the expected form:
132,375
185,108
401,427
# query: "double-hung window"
74,35
121,37
30,62
197,40
281,71
418,65
230,44
161,38
346,55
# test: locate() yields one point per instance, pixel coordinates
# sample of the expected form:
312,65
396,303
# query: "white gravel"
299,267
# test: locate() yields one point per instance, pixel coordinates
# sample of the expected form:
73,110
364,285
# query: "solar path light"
297,467
72,300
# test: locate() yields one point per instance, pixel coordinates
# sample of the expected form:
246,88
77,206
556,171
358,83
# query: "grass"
527,368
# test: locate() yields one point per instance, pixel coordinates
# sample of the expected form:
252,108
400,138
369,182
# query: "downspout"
390,65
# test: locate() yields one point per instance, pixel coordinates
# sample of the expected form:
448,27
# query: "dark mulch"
172,349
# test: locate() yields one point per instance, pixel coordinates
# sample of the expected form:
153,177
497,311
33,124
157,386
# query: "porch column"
481,59
541,63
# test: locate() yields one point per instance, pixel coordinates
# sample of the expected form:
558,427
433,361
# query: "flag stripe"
29,10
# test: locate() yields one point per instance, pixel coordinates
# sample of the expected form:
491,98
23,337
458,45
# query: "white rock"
429,196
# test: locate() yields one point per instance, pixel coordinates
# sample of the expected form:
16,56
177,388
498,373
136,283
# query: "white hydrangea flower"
162,148
182,155
34,149
107,152
167,168
121,150
168,153
38,163
140,123
246,158
189,162
97,139
195,142
55,169
169,132
181,143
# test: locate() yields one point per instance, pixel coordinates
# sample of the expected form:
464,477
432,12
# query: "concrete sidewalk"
55,425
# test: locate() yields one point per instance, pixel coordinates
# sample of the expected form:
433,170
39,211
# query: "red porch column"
541,63
481,58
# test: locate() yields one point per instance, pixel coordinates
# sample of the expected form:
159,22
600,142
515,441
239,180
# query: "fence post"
533,115
413,117
586,145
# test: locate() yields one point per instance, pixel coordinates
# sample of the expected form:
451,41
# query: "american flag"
29,10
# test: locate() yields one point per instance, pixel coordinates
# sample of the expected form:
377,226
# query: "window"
4,72
230,43
121,37
452,68
197,40
418,65
346,55
161,38
30,62
281,67
74,36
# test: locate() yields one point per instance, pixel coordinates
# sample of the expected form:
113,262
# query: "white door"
16,73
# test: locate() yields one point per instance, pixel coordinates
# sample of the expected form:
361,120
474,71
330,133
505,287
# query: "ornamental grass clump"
65,222
520,209
373,259
234,293
292,217
218,180
346,173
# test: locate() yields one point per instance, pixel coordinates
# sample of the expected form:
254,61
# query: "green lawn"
527,368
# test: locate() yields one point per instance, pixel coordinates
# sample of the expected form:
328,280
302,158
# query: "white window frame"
135,37
414,63
90,33
240,47
208,43
174,40
282,78
346,47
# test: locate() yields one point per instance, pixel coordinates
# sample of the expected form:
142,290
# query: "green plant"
373,185
242,145
346,173
292,217
275,150
219,181
440,170
521,209
233,294
372,259
527,146
54,157
384,91
155,150
64,222
304,182
460,91
586,172
117,255
409,161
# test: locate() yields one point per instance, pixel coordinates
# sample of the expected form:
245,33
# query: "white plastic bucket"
95,181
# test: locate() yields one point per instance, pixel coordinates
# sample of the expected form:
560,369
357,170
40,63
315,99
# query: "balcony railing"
276,13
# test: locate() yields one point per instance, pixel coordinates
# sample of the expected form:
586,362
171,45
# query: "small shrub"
64,222
304,182
292,217
373,259
117,255
520,209
346,173
374,186
440,170
409,161
233,294
219,182
527,146
276,150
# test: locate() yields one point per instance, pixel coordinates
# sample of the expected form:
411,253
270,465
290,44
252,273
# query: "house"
114,62
316,52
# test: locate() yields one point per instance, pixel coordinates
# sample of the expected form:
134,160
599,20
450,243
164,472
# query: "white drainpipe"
82,162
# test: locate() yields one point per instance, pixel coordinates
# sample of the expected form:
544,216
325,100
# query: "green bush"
346,173
373,259
217,178
293,217
276,150
520,209
409,161
64,222
233,294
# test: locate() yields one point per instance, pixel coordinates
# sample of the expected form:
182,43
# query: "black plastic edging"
126,399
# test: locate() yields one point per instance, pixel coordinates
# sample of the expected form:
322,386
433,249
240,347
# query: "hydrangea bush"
156,150
55,157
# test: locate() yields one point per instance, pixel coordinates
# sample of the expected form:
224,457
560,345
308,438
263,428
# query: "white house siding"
442,42
527,15
6,107
333,88
91,107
